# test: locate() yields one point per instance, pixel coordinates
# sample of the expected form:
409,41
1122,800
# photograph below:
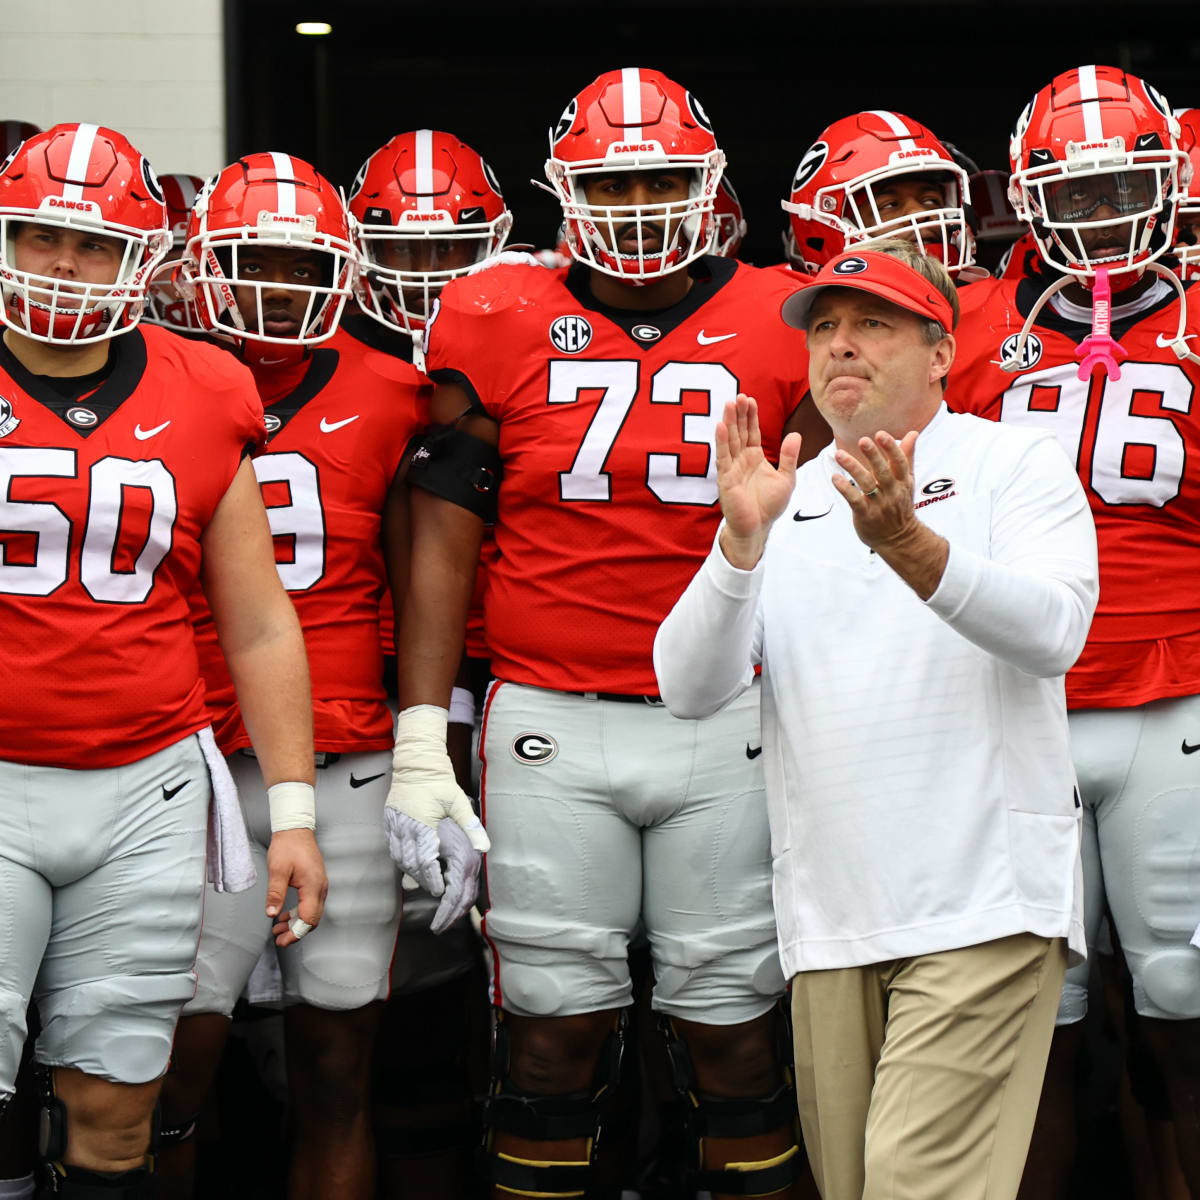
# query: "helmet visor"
1095,198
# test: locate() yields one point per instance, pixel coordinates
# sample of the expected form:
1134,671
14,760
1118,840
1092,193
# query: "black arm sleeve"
457,467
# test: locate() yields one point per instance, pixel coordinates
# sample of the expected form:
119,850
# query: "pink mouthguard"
1099,348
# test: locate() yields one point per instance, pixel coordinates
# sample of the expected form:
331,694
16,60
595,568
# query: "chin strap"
1093,346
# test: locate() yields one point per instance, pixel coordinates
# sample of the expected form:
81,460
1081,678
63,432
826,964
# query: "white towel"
230,863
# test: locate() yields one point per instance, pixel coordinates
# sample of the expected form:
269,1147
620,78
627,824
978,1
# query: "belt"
622,698
321,759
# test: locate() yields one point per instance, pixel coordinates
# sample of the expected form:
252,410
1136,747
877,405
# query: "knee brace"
711,1116
549,1119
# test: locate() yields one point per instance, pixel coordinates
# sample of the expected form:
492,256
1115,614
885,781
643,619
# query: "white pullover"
918,767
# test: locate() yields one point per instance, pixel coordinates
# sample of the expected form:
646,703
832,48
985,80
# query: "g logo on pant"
534,749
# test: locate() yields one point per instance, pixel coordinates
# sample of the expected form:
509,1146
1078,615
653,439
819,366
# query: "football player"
125,485
270,256
1098,174
428,208
578,408
875,175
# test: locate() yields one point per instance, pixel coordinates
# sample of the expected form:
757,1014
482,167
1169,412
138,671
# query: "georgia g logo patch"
850,266
533,749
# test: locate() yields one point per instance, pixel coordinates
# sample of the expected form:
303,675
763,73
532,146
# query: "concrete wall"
152,69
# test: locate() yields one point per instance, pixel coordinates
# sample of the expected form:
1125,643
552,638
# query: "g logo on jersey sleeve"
534,749
570,334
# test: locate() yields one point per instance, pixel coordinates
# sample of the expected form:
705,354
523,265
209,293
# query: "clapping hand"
881,494
753,493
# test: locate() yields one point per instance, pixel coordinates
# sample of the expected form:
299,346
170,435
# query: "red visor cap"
882,276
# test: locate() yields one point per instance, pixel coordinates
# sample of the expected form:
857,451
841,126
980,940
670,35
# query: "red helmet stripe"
285,173
896,125
77,164
1089,92
631,103
424,166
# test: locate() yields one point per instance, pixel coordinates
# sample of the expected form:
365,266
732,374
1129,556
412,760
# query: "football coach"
914,595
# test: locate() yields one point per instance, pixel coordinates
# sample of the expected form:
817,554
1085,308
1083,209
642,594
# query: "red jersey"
1131,441
338,424
608,503
1022,258
106,495
358,329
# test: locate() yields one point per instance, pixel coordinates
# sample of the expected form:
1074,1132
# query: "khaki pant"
919,1079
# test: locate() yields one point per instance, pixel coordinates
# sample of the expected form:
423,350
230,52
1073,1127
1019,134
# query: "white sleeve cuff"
958,581
729,580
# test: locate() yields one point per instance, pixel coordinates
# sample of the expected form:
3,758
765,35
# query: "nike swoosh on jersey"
357,783
1189,749
142,434
705,340
811,516
1164,343
330,426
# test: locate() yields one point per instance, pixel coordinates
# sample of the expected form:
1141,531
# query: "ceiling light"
314,28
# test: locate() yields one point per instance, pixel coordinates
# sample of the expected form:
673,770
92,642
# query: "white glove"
461,875
423,793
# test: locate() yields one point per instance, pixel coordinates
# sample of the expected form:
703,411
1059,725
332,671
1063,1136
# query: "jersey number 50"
110,477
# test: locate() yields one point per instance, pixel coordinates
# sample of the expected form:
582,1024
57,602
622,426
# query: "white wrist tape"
424,724
293,806
462,707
